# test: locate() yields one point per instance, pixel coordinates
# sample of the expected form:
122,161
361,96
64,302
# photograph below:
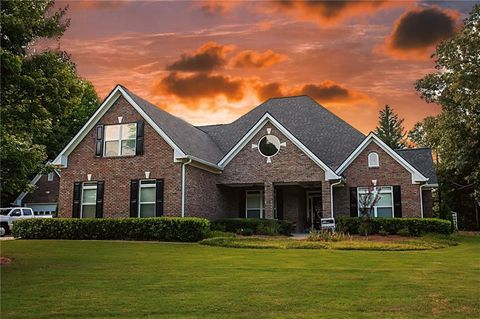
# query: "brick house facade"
173,168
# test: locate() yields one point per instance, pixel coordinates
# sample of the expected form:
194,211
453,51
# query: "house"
43,199
288,158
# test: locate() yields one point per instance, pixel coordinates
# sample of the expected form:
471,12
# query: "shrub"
415,226
218,233
326,235
403,232
257,226
157,228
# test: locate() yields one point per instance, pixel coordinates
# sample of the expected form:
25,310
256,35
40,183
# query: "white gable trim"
62,158
329,173
417,177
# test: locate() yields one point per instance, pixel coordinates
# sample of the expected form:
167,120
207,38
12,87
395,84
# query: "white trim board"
417,177
329,173
62,158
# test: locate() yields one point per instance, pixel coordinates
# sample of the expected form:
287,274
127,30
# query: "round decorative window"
269,145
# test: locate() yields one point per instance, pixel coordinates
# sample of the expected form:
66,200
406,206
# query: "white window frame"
149,185
50,176
383,190
88,185
372,156
253,193
119,139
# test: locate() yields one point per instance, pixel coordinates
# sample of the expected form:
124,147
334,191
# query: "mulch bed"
5,260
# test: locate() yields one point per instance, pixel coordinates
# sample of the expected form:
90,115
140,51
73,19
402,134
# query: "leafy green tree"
43,100
455,86
390,128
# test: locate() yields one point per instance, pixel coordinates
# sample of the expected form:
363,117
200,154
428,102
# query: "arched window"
373,160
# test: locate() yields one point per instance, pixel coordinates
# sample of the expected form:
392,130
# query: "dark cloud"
268,90
418,29
200,85
257,60
209,57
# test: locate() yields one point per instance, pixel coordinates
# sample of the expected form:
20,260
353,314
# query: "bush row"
393,226
253,226
158,228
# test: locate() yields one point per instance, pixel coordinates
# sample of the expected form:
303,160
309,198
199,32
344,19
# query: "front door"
314,209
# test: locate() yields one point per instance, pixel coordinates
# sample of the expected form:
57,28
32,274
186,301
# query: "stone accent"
390,173
119,171
46,192
268,195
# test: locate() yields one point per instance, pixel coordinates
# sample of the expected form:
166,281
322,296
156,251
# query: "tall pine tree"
390,128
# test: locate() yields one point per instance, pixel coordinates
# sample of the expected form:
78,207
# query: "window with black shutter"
77,193
397,201
139,141
134,192
159,198
99,141
99,204
353,202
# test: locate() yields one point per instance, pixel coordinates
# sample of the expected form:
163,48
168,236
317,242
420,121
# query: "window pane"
88,211
269,145
112,132
27,212
384,212
111,148
147,194
254,213
253,201
129,131
385,200
128,147
89,196
147,210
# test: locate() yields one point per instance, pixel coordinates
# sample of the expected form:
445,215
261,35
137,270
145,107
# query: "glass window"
147,197
50,177
16,212
384,206
120,139
269,145
27,212
254,204
373,160
89,200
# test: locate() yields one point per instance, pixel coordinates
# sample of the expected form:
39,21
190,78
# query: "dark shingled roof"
330,138
421,159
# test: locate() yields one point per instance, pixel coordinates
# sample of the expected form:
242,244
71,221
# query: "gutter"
183,185
421,200
331,196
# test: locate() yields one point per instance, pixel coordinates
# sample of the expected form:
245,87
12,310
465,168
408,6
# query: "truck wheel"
3,231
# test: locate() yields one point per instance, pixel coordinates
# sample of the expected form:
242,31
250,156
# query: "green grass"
108,279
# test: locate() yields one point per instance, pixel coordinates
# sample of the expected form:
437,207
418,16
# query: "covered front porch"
303,203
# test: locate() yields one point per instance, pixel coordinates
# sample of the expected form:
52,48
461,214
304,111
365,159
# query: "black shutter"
99,141
77,193
241,204
279,204
139,143
134,184
353,202
159,198
397,202
99,204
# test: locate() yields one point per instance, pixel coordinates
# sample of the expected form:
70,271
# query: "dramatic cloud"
417,31
208,57
269,90
199,86
212,7
253,59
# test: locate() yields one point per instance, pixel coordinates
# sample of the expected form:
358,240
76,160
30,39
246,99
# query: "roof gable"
421,159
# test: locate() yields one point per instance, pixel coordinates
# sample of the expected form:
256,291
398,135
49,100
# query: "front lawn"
109,279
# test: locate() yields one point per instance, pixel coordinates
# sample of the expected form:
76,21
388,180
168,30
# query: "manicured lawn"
101,279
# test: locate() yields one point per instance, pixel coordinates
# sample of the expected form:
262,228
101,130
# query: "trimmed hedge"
156,228
392,226
256,226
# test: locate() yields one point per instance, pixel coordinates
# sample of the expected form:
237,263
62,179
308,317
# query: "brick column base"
326,199
268,194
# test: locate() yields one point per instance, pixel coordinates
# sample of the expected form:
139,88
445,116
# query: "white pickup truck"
11,214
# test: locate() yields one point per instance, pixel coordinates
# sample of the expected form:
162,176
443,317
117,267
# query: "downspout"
183,185
331,196
421,200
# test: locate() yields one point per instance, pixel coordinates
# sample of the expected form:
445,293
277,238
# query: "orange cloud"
211,7
208,57
417,31
191,88
253,59
269,90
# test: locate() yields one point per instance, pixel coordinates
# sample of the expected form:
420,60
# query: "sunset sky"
210,62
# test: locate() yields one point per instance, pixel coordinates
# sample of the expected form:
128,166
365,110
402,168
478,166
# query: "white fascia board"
329,173
372,137
62,158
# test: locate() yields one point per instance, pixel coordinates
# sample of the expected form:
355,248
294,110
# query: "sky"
210,62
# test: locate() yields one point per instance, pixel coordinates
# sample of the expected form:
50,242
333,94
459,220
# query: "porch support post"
268,193
326,199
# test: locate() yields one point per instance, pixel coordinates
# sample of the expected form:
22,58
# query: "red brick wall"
46,192
389,173
427,203
118,172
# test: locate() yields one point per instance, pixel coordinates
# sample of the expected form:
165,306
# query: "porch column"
326,199
268,194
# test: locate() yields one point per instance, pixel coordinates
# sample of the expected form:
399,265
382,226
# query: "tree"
455,86
390,128
43,99
366,204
